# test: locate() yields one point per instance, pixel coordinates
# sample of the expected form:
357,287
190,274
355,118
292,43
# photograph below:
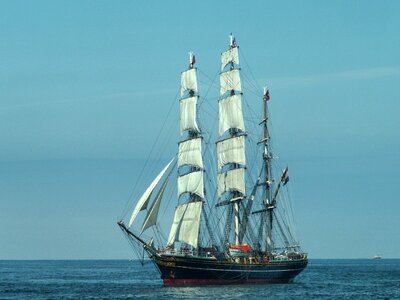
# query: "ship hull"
197,271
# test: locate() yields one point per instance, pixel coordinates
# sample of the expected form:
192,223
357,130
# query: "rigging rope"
126,208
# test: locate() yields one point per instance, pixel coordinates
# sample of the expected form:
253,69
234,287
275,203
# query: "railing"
252,258
186,252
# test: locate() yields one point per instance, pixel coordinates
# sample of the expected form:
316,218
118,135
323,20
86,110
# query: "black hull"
177,270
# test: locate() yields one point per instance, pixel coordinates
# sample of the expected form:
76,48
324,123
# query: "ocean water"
123,279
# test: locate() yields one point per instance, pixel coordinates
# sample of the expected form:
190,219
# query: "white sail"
179,212
230,113
143,201
188,114
232,180
191,183
231,151
185,227
151,218
189,153
230,81
188,81
229,56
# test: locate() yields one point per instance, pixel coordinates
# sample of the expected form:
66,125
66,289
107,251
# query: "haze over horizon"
85,87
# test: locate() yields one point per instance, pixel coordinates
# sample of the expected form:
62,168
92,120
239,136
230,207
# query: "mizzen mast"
267,160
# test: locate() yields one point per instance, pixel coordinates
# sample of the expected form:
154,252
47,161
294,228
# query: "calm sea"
123,279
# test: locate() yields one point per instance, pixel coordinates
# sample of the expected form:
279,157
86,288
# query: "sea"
129,279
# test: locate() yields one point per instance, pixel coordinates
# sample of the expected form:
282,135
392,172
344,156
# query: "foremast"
190,183
231,144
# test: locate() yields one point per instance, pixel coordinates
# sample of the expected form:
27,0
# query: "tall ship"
224,192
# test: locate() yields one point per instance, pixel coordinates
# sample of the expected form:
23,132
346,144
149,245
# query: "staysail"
144,200
151,218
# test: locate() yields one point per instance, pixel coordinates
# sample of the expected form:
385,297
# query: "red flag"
234,42
266,95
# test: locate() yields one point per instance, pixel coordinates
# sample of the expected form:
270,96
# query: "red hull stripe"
170,282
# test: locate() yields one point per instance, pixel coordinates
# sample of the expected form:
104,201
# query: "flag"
285,176
232,41
192,59
286,180
266,95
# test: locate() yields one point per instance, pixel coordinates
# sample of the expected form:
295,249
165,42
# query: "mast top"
192,59
266,94
232,41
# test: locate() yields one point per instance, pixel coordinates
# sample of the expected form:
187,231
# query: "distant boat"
377,257
253,241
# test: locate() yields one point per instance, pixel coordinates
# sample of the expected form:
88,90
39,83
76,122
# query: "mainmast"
185,227
231,144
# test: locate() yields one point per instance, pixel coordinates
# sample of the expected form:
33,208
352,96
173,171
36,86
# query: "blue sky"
85,86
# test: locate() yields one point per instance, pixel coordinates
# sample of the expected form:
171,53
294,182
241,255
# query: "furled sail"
188,114
191,183
185,227
229,56
151,218
230,114
230,81
231,150
232,180
188,81
190,153
143,201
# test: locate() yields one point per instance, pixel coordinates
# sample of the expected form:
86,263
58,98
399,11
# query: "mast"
267,157
231,143
190,160
185,227
265,140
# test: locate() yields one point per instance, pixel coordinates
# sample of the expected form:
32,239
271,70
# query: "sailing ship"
231,222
